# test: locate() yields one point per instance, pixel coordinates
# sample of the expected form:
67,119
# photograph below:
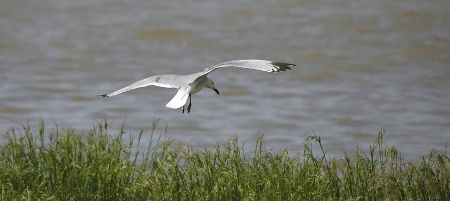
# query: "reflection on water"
361,66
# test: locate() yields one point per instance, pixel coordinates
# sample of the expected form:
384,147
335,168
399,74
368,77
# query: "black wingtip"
103,96
282,66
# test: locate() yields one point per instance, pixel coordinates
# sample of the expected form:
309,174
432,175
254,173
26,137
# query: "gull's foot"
182,109
189,107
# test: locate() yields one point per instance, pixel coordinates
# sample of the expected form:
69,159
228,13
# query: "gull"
193,83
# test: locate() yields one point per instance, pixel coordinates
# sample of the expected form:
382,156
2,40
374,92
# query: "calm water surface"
362,66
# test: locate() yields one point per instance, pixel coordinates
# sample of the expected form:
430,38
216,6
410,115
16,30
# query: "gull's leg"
182,109
190,104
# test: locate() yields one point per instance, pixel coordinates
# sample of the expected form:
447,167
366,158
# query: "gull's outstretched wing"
177,81
262,65
166,81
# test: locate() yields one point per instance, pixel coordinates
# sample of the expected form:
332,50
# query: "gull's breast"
197,85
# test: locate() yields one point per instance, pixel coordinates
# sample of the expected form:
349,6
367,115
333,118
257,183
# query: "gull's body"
193,83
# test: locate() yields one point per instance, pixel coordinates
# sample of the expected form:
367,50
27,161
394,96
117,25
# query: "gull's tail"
179,100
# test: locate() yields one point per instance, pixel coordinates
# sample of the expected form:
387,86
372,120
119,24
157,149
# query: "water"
362,66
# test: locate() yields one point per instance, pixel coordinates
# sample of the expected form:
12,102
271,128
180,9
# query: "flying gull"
193,83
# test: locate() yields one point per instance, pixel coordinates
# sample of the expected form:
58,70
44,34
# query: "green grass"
65,164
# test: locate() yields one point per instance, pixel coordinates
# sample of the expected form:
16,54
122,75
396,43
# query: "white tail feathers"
179,100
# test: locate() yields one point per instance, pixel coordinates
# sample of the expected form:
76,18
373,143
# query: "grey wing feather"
262,65
166,81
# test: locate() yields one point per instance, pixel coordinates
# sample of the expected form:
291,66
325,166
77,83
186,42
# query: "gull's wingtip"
103,96
282,66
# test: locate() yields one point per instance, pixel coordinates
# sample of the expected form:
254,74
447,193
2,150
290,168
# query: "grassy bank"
63,164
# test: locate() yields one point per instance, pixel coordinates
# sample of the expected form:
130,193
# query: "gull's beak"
217,91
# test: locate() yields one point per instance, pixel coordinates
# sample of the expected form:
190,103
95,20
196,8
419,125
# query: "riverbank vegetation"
66,164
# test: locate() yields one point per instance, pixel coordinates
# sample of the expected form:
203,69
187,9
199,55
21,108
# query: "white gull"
193,83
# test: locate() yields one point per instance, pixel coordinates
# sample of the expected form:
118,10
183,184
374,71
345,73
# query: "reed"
66,164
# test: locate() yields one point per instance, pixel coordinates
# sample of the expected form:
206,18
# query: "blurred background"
362,66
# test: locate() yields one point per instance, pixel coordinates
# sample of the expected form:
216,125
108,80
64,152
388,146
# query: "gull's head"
210,84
